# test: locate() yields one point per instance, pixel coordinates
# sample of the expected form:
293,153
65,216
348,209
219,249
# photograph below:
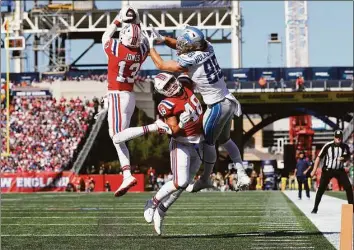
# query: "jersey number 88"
212,70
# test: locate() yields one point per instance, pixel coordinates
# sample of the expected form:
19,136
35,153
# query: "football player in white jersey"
196,58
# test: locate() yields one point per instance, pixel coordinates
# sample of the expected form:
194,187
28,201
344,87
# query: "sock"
233,151
131,133
167,189
126,171
168,201
209,155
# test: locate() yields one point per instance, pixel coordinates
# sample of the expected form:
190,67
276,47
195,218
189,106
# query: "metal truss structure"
220,25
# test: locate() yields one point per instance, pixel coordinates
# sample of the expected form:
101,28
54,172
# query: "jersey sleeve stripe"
167,103
114,46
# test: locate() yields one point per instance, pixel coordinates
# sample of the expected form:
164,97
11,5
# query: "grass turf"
244,220
338,194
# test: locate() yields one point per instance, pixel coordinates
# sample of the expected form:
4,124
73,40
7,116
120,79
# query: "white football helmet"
130,35
167,84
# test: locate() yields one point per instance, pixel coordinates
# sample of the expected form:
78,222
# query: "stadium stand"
45,132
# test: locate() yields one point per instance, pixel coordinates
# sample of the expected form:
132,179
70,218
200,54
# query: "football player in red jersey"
125,56
183,114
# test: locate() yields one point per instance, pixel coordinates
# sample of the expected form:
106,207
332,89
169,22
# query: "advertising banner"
27,92
57,182
296,97
269,178
345,73
324,73
243,75
292,73
270,74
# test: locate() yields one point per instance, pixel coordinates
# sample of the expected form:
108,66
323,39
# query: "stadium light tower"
296,34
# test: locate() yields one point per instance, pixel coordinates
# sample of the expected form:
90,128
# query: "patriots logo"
161,77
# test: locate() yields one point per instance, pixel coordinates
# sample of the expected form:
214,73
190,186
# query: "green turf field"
337,194
215,220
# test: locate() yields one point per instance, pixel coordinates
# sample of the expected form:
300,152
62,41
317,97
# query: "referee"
334,153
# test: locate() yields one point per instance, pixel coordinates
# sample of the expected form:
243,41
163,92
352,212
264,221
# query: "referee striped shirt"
331,154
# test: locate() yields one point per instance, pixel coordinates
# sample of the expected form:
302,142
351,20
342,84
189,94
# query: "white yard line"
121,235
131,217
328,218
129,224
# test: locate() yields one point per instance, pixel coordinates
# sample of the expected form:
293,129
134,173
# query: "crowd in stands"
44,132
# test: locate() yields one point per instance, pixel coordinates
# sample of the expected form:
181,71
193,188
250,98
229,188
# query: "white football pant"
121,105
185,162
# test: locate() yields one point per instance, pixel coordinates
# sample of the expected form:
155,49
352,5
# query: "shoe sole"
123,191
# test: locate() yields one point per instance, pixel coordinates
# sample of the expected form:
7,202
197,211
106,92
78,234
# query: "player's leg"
307,188
120,111
186,173
299,184
223,135
344,180
325,178
179,157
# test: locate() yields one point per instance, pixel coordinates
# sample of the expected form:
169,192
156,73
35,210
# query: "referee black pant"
341,176
303,180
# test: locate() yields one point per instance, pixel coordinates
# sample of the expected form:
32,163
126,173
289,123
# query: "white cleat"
149,211
243,181
125,186
158,219
199,185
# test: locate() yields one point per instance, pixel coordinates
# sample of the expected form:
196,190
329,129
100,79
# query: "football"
131,13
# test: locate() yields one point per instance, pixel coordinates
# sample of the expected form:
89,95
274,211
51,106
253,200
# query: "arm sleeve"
185,61
323,151
107,35
165,110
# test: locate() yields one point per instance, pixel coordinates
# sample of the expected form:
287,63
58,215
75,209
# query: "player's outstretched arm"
134,132
111,29
170,66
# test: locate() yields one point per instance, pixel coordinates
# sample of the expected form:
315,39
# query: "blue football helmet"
191,39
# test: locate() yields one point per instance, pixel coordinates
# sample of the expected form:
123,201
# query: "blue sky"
330,36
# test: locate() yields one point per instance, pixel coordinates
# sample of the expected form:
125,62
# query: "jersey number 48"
195,112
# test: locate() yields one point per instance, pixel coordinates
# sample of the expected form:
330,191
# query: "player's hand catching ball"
129,15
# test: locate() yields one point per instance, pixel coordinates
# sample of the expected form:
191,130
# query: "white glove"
163,128
159,38
151,38
184,118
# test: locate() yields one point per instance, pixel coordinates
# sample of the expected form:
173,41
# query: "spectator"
262,83
282,84
275,86
300,83
44,133
107,186
237,85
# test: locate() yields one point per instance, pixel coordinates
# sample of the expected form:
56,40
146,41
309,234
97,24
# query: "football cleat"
149,211
125,186
243,181
314,211
158,219
199,185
